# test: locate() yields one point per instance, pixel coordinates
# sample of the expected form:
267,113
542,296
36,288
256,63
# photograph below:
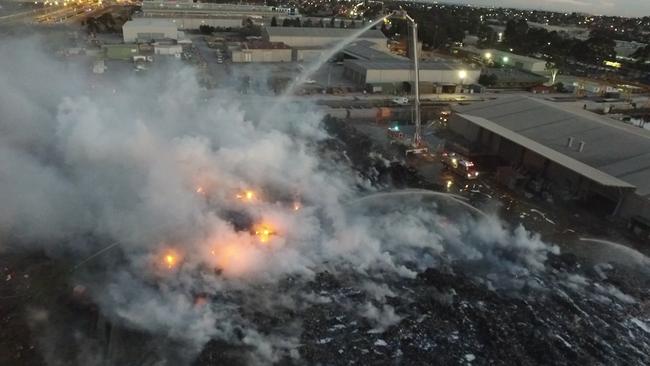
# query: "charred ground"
573,312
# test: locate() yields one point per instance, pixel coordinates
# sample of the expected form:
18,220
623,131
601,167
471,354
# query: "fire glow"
170,259
235,258
247,196
264,233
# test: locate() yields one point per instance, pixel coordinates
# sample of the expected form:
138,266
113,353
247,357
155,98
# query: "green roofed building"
124,51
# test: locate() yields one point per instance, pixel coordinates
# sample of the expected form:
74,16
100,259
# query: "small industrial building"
168,49
397,75
307,54
147,29
261,51
571,152
319,37
124,51
587,86
525,63
510,78
625,49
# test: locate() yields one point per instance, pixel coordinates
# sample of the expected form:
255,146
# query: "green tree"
107,20
206,29
286,22
516,32
248,22
487,37
599,47
274,22
91,26
488,79
308,23
342,24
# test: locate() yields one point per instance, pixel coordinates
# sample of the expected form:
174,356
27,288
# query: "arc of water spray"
309,71
91,257
422,192
88,259
641,258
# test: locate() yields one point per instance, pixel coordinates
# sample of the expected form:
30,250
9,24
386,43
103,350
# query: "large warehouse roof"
365,50
402,64
320,32
150,22
499,53
614,154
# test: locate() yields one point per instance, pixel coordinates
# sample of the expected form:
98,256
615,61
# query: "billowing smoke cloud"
212,206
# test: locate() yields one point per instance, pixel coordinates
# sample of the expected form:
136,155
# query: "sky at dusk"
633,8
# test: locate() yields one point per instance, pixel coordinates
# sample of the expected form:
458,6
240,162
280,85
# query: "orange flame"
170,259
246,195
296,206
200,190
264,233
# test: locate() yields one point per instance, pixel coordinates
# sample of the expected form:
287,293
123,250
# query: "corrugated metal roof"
364,50
499,53
615,154
320,32
150,22
402,64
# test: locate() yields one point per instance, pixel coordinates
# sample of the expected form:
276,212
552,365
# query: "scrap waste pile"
224,234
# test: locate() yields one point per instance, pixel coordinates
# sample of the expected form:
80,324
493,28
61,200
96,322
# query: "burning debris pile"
263,240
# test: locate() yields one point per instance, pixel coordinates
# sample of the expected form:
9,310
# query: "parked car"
401,100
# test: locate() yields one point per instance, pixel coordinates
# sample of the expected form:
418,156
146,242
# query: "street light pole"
462,74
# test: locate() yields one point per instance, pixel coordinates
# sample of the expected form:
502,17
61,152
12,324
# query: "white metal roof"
150,22
572,164
321,32
614,154
405,64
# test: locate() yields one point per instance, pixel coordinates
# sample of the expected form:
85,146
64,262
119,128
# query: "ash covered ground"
186,226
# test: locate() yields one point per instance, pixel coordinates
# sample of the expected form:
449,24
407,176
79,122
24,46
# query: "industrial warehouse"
525,63
261,51
370,64
191,15
145,30
320,37
565,149
396,75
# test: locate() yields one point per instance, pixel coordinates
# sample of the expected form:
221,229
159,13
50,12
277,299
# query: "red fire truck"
459,165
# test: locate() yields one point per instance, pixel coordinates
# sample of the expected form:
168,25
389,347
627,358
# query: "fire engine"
459,165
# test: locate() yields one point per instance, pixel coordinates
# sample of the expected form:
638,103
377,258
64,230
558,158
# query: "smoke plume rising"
213,206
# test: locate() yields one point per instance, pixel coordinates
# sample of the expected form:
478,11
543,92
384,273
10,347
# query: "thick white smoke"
156,163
